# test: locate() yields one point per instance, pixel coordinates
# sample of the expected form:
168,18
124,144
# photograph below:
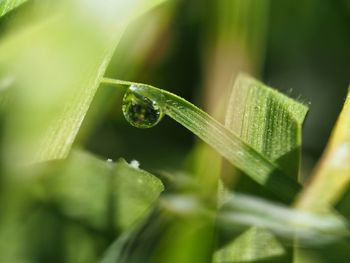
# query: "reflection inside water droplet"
139,110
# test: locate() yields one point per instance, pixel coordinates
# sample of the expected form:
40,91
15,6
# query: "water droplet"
135,164
140,111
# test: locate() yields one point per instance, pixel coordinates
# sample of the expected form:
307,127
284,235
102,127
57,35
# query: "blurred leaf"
328,186
135,191
235,42
163,237
80,245
331,178
336,252
138,243
256,165
244,211
133,55
114,254
57,68
71,209
310,229
100,193
252,245
8,5
80,188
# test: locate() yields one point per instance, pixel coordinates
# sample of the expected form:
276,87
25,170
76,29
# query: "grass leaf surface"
255,164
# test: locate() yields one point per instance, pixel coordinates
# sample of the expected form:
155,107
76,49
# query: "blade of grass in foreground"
8,5
228,144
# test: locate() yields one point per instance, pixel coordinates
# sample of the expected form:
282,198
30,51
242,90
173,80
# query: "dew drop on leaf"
140,111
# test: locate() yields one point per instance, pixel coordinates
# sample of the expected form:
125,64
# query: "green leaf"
331,178
268,121
228,144
252,245
70,209
271,123
115,251
80,188
135,191
57,66
79,244
8,5
328,188
244,211
101,193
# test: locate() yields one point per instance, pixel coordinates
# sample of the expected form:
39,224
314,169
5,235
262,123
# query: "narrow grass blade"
8,5
228,144
328,187
331,178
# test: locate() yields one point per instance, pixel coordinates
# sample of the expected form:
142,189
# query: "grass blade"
328,188
8,5
229,145
332,176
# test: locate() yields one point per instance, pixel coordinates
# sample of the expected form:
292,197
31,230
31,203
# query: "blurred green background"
194,49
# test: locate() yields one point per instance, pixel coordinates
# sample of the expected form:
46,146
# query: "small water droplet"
140,111
135,164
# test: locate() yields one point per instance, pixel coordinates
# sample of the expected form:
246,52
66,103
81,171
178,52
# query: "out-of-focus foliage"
76,41
64,205
332,176
271,123
328,188
7,5
76,206
106,193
